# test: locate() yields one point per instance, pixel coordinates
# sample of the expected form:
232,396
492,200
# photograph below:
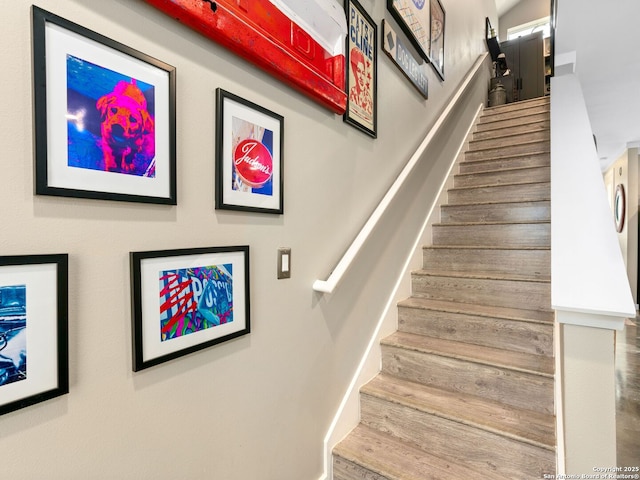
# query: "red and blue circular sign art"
253,163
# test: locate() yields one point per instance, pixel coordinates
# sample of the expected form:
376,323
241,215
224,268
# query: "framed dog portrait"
362,63
34,358
249,156
104,116
187,300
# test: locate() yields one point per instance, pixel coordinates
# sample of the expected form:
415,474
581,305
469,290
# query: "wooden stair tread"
542,151
482,275
506,359
491,222
484,149
500,170
535,316
501,202
395,459
499,185
522,425
519,105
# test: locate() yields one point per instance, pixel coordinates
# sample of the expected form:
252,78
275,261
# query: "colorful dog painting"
111,122
127,129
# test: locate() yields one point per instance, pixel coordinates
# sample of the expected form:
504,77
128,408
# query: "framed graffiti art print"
187,300
34,354
249,156
104,116
362,66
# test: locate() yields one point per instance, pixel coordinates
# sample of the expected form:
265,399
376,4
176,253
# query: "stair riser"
498,212
513,139
528,263
523,105
508,193
345,470
493,124
535,160
450,440
515,335
499,235
499,293
521,113
524,175
518,389
532,127
499,152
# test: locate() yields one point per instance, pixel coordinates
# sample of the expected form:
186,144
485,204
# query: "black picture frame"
436,44
249,156
361,55
33,287
414,19
186,300
104,114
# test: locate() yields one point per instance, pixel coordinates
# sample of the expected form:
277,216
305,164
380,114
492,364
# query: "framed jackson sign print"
249,156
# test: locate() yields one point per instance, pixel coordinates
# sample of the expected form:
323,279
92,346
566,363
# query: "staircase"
467,383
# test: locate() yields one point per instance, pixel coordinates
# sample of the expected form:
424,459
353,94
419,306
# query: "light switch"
284,263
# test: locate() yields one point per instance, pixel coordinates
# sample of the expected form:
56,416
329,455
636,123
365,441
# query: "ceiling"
605,38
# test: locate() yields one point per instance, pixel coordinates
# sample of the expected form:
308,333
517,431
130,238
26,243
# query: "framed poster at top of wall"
104,116
436,49
413,17
362,69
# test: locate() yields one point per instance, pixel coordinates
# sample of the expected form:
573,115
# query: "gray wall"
257,407
523,12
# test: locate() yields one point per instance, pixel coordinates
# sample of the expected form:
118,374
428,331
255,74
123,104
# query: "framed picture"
437,37
362,63
104,116
249,156
34,355
413,18
187,300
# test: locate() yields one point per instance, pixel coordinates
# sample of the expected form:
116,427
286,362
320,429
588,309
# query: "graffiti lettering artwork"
13,334
194,299
110,120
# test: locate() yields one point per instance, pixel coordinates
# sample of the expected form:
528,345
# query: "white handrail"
327,286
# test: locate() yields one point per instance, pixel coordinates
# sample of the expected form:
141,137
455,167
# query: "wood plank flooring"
628,396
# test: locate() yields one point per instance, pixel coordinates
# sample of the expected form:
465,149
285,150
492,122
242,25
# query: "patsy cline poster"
361,66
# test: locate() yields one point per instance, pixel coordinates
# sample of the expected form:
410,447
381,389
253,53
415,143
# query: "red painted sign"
259,32
253,163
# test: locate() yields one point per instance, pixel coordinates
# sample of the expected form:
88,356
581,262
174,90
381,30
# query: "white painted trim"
591,319
370,364
588,274
327,286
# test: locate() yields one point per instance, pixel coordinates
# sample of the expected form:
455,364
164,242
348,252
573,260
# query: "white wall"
523,12
257,407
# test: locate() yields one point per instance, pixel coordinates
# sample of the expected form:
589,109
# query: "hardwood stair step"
534,263
492,234
497,115
519,149
528,127
539,211
441,424
369,454
540,159
512,378
527,426
488,123
500,291
523,104
503,176
509,140
529,192
526,331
